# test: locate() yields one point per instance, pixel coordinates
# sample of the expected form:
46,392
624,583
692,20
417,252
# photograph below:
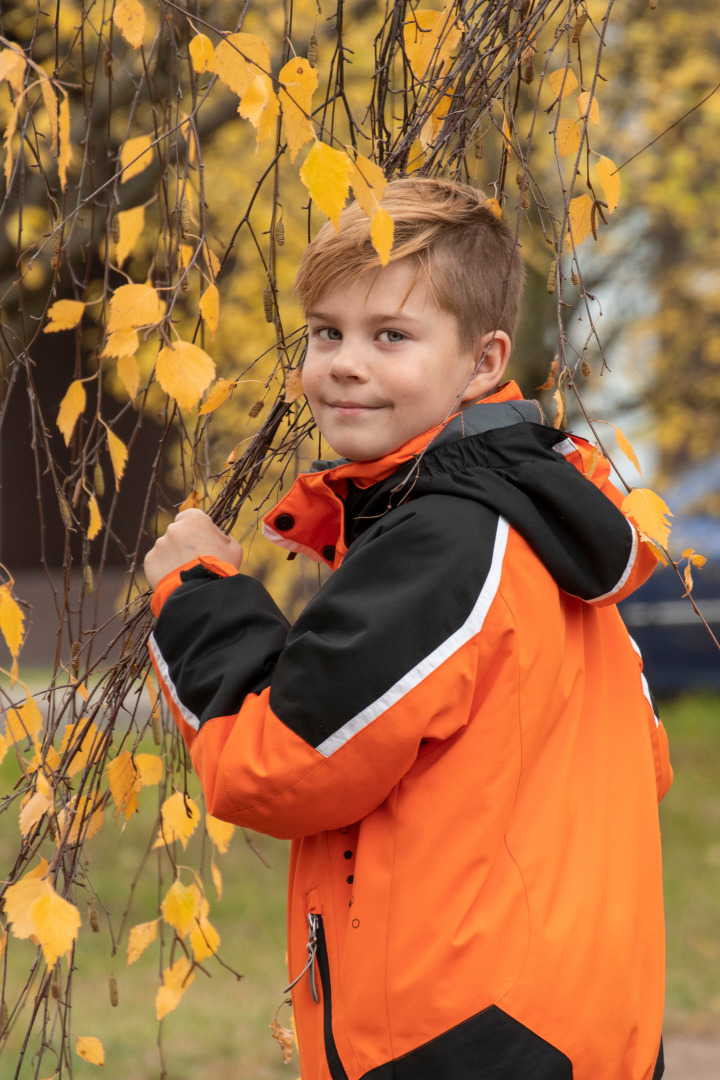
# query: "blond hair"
468,256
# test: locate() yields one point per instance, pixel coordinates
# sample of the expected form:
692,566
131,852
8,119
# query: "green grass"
220,1029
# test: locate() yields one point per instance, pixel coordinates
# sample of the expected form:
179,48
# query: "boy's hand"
191,534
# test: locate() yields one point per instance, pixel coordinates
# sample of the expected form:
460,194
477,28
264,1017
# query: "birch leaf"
610,180
293,386
204,939
129,17
128,371
66,150
368,183
150,768
429,38
122,343
24,723
202,54
64,315
19,899
12,68
134,305
135,156
37,805
176,980
650,513
86,820
180,817
220,832
51,108
55,924
588,106
12,620
219,394
626,447
179,908
299,81
130,225
79,738
184,371
118,456
124,783
569,134
210,308
140,937
382,232
284,1037
90,1049
216,878
579,220
563,81
326,174
71,407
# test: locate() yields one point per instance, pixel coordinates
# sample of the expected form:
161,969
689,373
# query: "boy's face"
384,365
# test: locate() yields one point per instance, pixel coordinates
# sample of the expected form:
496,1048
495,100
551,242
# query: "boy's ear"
491,354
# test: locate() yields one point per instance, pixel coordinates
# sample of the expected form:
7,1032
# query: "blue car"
678,652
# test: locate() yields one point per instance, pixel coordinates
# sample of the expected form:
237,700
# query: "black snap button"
328,552
350,879
284,522
347,854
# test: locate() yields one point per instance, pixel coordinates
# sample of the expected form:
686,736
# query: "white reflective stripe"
472,626
626,572
646,688
566,447
189,718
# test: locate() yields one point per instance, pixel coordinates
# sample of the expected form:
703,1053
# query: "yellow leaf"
220,832
648,511
176,980
79,739
124,783
588,106
122,343
3,747
382,232
133,306
368,183
128,370
326,174
242,61
95,524
219,394
130,225
202,54
179,908
416,157
139,938
118,456
71,407
12,620
180,817
184,371
135,156
12,68
430,37
579,220
32,811
55,924
210,308
51,108
66,149
569,134
19,899
193,501
212,261
84,820
150,767
260,106
25,722
624,444
687,576
698,560
299,81
64,315
204,939
563,81
129,17
216,878
10,129
89,1048
610,180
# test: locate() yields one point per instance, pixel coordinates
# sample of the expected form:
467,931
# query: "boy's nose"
347,363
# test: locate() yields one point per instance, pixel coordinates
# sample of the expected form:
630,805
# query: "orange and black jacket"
457,736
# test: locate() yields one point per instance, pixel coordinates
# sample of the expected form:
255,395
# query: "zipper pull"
311,947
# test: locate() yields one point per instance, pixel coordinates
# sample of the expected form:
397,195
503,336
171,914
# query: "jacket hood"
552,488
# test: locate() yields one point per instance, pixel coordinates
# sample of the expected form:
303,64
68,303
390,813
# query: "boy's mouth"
352,408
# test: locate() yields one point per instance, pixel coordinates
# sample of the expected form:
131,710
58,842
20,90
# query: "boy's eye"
392,336
328,333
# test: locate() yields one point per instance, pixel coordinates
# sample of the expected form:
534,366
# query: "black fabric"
489,1046
659,1064
220,638
335,1065
369,625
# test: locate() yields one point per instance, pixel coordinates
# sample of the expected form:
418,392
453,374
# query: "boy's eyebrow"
379,316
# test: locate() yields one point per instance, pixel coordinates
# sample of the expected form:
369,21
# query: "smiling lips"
351,408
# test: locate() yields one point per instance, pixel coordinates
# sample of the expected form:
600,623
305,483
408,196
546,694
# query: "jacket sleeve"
296,730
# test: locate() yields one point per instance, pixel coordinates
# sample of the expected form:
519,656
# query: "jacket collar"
310,519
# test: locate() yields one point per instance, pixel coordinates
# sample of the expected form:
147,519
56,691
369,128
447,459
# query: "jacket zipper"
317,955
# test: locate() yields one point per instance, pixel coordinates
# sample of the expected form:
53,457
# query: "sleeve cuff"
167,585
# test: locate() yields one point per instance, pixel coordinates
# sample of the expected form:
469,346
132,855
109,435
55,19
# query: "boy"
455,733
